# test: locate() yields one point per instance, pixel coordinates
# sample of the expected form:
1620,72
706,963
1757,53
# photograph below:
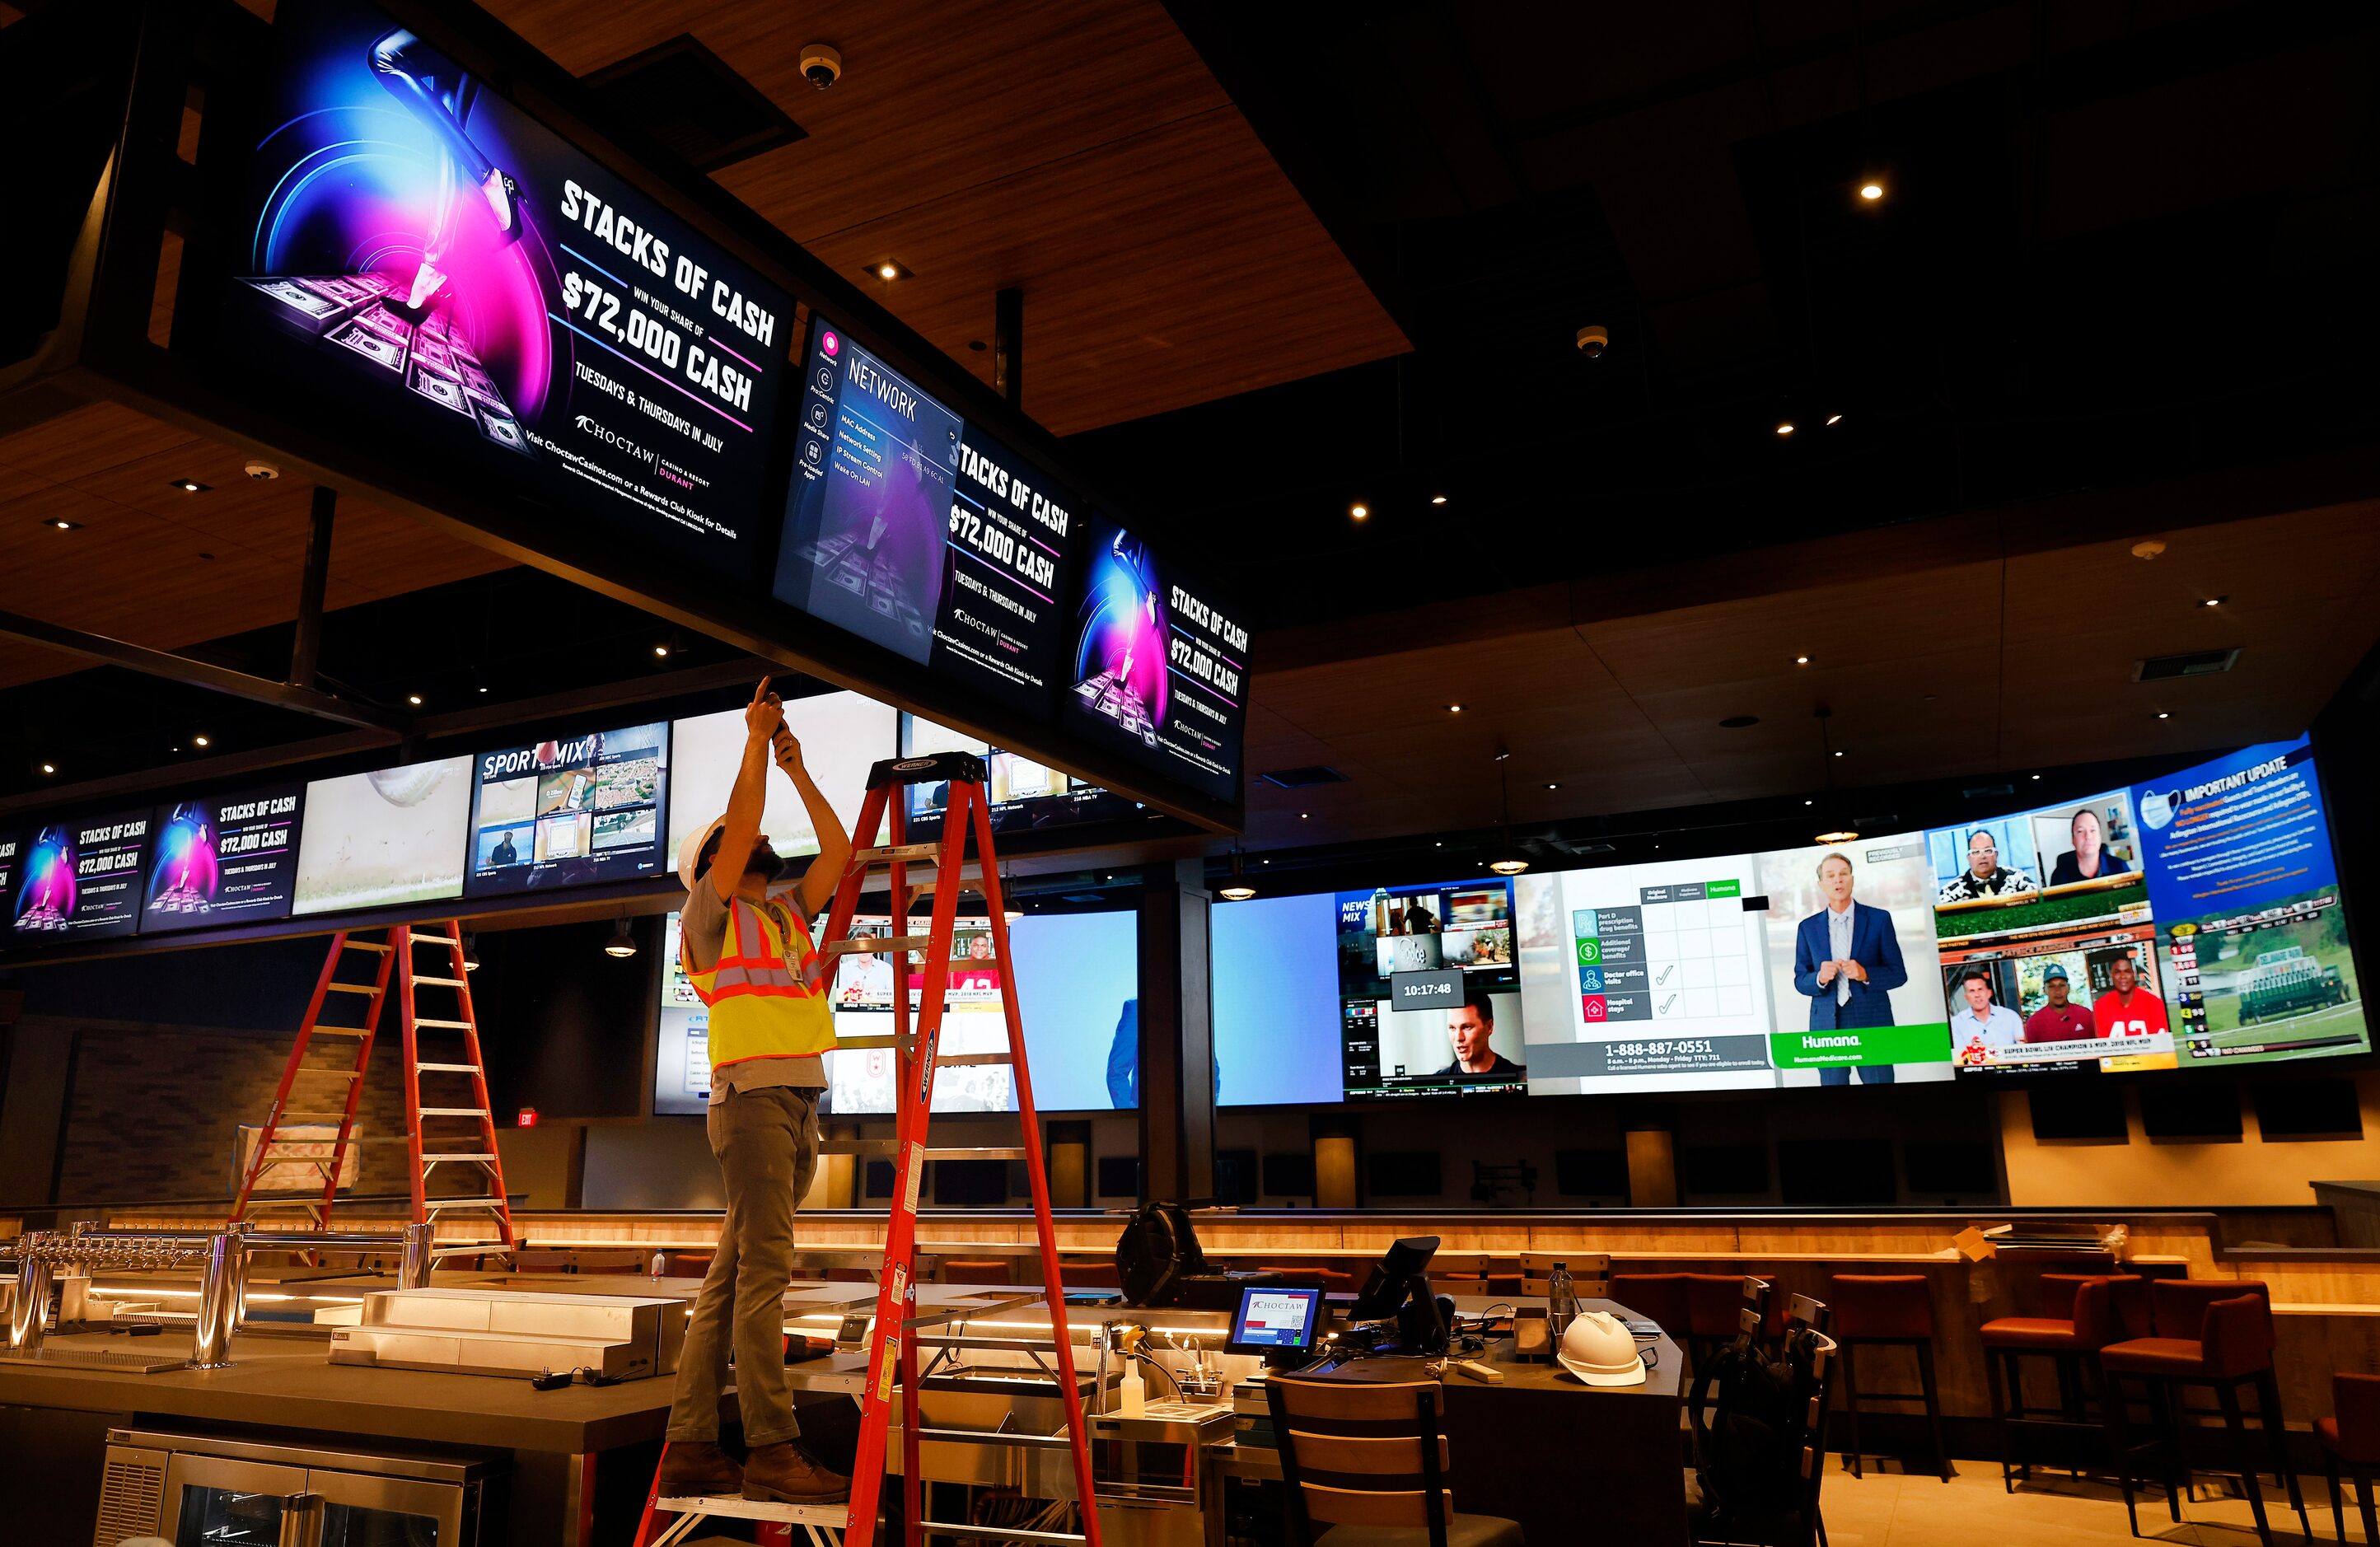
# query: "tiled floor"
1890,1509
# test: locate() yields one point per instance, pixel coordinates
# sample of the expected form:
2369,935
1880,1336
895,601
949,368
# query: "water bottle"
1562,1302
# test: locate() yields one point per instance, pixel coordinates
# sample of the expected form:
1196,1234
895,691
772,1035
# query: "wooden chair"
1369,1461
2352,1437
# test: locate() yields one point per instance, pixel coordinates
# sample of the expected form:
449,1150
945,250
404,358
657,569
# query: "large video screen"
1158,667
843,735
471,290
1025,796
80,879
565,812
1078,992
1429,999
223,860
908,526
1274,997
2193,920
385,838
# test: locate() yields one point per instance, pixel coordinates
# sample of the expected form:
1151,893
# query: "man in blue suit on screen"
1846,958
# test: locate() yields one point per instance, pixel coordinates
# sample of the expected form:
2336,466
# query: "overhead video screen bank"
908,526
562,812
465,286
223,860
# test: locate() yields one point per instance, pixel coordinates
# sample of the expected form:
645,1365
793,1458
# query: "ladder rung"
468,1248
353,988
454,1111
444,1025
880,947
364,945
308,1119
431,1158
329,1073
430,938
959,1060
321,1029
463,1202
897,853
1000,1437
447,1068
443,982
826,1516
996,1533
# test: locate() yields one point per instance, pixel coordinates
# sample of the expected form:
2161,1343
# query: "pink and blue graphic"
1120,660
45,897
188,870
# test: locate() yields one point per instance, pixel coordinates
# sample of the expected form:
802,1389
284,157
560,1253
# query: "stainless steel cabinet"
203,1491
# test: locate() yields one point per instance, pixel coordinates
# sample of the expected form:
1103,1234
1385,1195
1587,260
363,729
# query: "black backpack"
1157,1251
1748,1456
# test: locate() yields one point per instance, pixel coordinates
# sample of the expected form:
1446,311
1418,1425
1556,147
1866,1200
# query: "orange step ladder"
893,1339
466,1134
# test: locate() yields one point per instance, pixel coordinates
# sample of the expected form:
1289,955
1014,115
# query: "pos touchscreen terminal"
1282,1325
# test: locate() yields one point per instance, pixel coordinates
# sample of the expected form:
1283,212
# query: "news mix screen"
1077,988
2187,921
1025,796
419,252
570,811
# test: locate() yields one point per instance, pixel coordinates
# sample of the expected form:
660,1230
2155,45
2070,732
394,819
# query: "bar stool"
2353,1437
1886,1310
979,1270
2097,1310
2215,1333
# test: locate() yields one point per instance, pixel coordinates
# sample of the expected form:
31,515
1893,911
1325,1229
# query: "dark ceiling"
2117,242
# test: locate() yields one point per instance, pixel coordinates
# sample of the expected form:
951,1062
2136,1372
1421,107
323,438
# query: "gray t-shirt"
703,925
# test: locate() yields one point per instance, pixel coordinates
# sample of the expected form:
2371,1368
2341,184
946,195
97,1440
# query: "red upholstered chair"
2352,1437
1659,1298
2212,1332
1715,1303
2081,1313
1090,1275
1886,1310
978,1270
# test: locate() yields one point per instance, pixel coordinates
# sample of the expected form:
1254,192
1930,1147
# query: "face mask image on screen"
843,735
387,837
1853,964
426,252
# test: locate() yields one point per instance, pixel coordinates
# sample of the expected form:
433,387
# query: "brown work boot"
784,1473
697,1468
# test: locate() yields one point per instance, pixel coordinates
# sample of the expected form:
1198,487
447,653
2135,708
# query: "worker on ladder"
750,957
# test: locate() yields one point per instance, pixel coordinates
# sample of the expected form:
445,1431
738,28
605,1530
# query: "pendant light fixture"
622,943
470,953
1008,907
1237,889
1508,861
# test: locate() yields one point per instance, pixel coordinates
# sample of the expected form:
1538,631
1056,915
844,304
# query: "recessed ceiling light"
189,486
1301,816
1841,836
200,740
661,649
2214,601
1834,418
61,524
1785,427
1801,661
1454,708
414,699
1809,803
1839,751
483,689
889,269
2165,714
49,767
2037,776
1359,512
1441,844
1552,786
1438,499
1871,191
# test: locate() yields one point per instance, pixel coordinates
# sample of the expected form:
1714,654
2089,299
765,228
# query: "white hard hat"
689,853
1600,1351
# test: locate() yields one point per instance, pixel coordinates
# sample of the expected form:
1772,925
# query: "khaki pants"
767,1141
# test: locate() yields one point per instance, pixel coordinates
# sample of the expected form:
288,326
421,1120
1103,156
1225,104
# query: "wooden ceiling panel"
1080,149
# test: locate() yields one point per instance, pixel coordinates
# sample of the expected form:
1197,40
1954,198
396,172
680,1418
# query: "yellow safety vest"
765,995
